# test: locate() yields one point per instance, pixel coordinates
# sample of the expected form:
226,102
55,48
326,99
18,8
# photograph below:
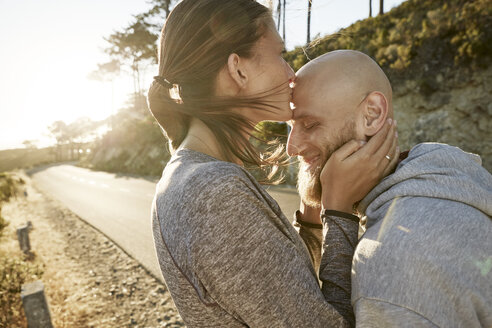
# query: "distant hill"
24,158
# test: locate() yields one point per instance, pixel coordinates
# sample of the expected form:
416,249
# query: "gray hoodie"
426,257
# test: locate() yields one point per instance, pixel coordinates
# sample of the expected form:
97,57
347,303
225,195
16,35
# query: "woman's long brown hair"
195,43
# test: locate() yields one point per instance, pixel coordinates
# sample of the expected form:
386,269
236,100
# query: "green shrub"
416,39
7,187
3,223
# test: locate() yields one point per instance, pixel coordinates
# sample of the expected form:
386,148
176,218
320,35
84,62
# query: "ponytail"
166,111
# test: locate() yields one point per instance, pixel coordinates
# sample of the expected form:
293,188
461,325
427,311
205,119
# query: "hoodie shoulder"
441,150
434,171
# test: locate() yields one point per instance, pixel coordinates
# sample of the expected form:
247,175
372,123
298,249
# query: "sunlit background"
49,49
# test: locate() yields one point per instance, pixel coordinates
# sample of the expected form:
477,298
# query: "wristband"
298,222
351,217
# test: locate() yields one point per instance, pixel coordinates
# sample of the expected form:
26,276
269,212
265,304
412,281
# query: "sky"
49,47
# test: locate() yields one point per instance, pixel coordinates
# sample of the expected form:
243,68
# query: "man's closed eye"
309,126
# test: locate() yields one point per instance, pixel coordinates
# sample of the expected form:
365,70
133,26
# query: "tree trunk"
166,8
283,32
370,8
310,4
279,14
134,75
139,87
381,7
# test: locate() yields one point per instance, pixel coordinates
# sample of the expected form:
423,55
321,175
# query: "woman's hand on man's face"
357,167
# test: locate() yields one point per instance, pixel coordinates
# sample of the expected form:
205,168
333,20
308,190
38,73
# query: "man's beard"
308,181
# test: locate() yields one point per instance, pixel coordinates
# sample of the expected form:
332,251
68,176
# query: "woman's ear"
374,113
237,70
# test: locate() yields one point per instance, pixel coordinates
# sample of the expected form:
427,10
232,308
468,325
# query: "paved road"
119,206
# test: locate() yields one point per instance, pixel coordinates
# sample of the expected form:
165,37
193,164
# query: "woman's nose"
290,71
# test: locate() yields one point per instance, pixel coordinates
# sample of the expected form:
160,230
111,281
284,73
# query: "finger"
392,164
378,139
348,149
378,147
388,145
387,149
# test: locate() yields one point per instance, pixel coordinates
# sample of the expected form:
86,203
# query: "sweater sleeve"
252,267
336,263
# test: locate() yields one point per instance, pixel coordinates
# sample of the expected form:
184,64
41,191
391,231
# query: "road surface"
119,206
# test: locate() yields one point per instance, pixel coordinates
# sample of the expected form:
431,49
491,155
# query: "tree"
30,144
132,47
107,71
281,16
70,136
135,45
59,131
159,7
310,4
83,129
381,7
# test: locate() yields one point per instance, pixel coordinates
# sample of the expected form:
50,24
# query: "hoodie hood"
433,170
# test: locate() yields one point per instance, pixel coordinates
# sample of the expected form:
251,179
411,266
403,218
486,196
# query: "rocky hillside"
134,146
437,54
458,113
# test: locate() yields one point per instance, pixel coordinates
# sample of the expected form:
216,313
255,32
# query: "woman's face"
271,75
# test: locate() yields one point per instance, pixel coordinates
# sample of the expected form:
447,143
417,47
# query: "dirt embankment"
89,282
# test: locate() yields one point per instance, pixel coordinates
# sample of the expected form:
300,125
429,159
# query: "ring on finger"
388,157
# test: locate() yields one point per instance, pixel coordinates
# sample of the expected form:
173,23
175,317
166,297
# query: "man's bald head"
346,74
340,96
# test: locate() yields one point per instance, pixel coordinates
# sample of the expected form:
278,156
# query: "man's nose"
293,143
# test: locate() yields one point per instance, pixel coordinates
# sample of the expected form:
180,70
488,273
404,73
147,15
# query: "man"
426,257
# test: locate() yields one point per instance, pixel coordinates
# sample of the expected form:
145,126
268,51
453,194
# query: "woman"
229,257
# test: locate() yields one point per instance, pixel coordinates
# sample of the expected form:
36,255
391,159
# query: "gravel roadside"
89,281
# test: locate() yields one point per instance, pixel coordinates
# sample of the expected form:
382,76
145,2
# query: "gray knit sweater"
230,258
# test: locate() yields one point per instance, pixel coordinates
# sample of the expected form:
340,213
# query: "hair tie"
162,81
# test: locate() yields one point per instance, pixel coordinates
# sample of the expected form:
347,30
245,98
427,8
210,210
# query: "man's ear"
236,67
374,113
